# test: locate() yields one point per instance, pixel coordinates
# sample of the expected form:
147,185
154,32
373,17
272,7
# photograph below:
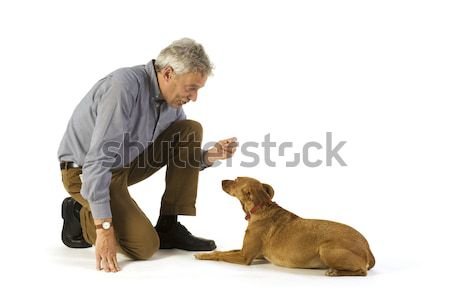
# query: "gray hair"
184,55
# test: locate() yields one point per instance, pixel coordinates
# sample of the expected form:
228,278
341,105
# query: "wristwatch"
104,226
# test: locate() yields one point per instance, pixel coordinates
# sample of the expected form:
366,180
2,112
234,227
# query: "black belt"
67,165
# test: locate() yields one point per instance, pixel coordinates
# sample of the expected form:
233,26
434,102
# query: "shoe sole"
70,242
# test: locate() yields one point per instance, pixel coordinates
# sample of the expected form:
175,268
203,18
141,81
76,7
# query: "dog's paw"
201,256
331,272
207,256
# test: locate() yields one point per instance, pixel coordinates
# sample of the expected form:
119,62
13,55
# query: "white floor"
69,274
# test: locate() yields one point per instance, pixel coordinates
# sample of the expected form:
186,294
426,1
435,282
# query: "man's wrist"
206,159
99,221
103,224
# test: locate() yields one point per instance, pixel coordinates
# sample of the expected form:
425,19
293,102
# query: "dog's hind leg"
334,272
342,262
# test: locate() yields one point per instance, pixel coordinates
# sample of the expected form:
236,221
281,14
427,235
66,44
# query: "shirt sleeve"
111,124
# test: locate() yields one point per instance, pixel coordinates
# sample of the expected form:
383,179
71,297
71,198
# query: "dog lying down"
287,240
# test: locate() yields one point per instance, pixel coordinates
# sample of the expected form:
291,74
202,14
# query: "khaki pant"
178,148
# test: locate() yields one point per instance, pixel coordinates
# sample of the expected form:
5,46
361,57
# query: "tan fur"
287,240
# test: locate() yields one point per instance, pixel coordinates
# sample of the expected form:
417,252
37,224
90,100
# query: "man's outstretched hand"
222,150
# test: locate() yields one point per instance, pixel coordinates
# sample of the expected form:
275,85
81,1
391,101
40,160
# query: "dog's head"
249,191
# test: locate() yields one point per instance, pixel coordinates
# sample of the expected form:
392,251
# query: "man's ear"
269,190
167,72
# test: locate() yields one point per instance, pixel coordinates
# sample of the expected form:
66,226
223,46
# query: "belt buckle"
67,164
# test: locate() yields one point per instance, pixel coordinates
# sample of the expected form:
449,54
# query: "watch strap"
100,226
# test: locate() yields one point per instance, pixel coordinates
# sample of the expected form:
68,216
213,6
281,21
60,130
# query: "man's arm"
111,124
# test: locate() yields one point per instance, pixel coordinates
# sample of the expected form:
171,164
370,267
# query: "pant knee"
146,252
194,126
144,249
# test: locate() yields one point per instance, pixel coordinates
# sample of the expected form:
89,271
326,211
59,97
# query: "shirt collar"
155,92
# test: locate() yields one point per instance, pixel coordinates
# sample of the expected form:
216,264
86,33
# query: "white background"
374,73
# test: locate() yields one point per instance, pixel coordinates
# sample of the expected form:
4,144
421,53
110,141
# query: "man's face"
178,90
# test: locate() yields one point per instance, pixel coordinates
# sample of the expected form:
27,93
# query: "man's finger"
229,140
230,149
232,144
111,265
98,260
105,265
116,263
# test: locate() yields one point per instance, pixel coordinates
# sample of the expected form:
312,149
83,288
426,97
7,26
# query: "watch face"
106,225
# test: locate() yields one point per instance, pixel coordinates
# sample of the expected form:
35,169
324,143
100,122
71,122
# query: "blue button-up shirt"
120,110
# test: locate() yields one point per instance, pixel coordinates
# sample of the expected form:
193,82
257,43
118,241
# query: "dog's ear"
269,190
259,196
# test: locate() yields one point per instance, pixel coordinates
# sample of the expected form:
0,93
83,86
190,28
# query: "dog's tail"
371,260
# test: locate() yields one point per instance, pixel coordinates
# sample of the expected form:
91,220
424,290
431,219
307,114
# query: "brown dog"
285,239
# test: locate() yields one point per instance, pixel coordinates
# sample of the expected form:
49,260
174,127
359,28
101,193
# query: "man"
128,126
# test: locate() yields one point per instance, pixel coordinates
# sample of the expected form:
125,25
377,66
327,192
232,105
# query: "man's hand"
222,150
105,250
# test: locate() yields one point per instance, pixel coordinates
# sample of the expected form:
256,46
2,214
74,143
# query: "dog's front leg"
251,248
234,256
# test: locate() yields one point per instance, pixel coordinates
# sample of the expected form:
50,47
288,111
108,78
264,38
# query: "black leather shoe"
178,237
72,235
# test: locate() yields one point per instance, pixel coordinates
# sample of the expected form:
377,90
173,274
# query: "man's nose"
193,96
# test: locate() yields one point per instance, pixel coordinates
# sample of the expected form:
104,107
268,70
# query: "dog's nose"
226,183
